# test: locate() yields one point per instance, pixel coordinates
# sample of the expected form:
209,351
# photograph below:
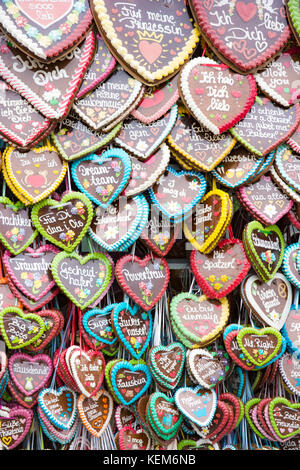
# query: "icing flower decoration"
268,257
15,236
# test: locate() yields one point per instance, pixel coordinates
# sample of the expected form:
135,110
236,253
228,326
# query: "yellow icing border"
116,43
15,185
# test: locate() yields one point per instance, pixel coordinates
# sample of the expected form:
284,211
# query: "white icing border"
270,92
132,97
184,86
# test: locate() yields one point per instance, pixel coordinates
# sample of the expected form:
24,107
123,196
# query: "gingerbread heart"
144,280
87,370
14,427
287,166
46,33
150,51
59,406
20,329
97,323
54,322
166,364
131,439
102,178
284,417
64,223
16,231
259,135
289,367
30,374
85,280
49,87
220,271
35,174
129,381
197,405
244,52
160,234
30,271
207,368
259,345
215,96
95,412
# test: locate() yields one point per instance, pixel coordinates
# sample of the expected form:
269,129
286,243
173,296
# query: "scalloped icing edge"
23,315
5,200
282,185
158,373
104,257
22,191
105,156
86,316
52,203
244,180
43,357
143,262
281,152
209,418
195,110
106,140
272,404
250,250
138,86
73,370
208,31
49,415
115,315
144,155
108,28
178,216
294,14
220,228
131,235
209,291
196,163
65,103
81,413
164,109
155,421
164,161
123,364
284,377
285,264
206,339
250,330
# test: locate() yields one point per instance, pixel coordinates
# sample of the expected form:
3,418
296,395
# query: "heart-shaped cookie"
196,144
97,323
259,345
238,167
120,224
294,140
144,280
288,167
54,322
131,439
244,52
151,51
270,302
35,174
73,139
261,136
160,234
285,417
87,370
142,140
290,330
30,271
197,405
16,231
84,280
265,200
264,247
209,220
207,368
199,319
289,367
166,364
95,412
28,373
277,80
20,123
291,263
145,173
132,327
20,329
102,178
14,427
60,406
220,271
63,223
49,87
157,101
110,102
176,193
46,33
163,415
129,381
215,96
233,349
